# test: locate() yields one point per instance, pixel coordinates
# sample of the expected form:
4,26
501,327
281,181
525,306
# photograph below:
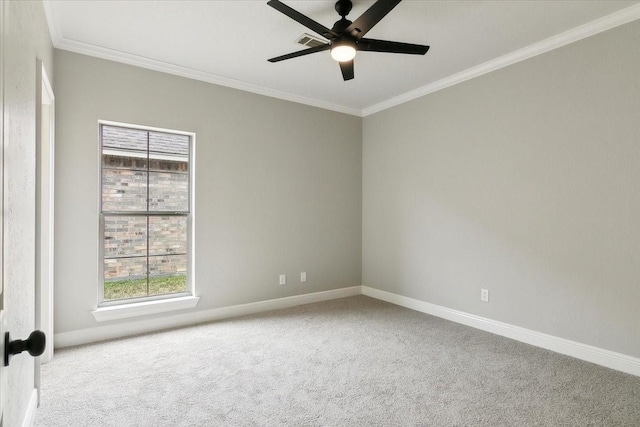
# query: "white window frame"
109,310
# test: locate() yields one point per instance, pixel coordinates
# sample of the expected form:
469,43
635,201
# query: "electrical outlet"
484,295
303,277
283,279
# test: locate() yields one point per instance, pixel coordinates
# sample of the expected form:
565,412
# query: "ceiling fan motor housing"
347,37
341,25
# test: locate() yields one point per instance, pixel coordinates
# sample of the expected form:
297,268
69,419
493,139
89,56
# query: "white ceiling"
229,42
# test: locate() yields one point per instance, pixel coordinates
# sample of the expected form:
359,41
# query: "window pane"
125,236
125,278
167,265
169,144
116,161
164,285
168,192
167,274
169,165
144,171
167,235
114,137
124,190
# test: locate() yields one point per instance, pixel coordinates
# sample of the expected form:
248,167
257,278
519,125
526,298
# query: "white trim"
144,127
618,361
609,359
190,73
191,218
144,308
45,204
47,83
605,23
101,333
162,306
30,414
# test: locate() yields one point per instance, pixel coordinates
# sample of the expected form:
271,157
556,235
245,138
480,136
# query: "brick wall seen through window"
145,212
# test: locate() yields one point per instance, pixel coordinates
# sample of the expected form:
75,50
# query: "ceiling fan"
346,37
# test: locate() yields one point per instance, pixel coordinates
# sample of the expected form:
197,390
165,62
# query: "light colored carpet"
349,362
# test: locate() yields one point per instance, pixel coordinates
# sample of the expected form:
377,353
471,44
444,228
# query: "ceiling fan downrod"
343,7
347,37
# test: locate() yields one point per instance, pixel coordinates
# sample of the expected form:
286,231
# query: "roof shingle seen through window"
136,140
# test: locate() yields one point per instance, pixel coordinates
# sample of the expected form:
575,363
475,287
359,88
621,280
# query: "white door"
3,376
35,343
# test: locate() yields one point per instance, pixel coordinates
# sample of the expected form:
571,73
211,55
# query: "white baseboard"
135,327
30,415
609,359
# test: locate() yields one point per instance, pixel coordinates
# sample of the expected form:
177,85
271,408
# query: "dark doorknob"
34,345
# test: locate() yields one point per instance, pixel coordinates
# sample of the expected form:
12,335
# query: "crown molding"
63,43
177,70
605,23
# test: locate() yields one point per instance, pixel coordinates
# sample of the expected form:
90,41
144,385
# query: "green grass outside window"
133,288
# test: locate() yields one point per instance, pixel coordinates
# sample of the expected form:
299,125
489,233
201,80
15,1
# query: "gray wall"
25,37
524,181
278,185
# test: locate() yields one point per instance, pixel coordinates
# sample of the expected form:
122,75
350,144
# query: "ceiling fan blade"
302,19
347,70
373,45
371,17
300,53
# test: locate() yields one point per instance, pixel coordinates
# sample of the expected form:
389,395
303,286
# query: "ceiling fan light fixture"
346,36
343,51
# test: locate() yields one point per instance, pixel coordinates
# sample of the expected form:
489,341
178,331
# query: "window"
145,214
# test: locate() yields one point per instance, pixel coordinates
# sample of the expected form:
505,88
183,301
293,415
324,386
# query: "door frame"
45,171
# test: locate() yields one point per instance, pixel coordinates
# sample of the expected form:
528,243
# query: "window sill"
125,311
